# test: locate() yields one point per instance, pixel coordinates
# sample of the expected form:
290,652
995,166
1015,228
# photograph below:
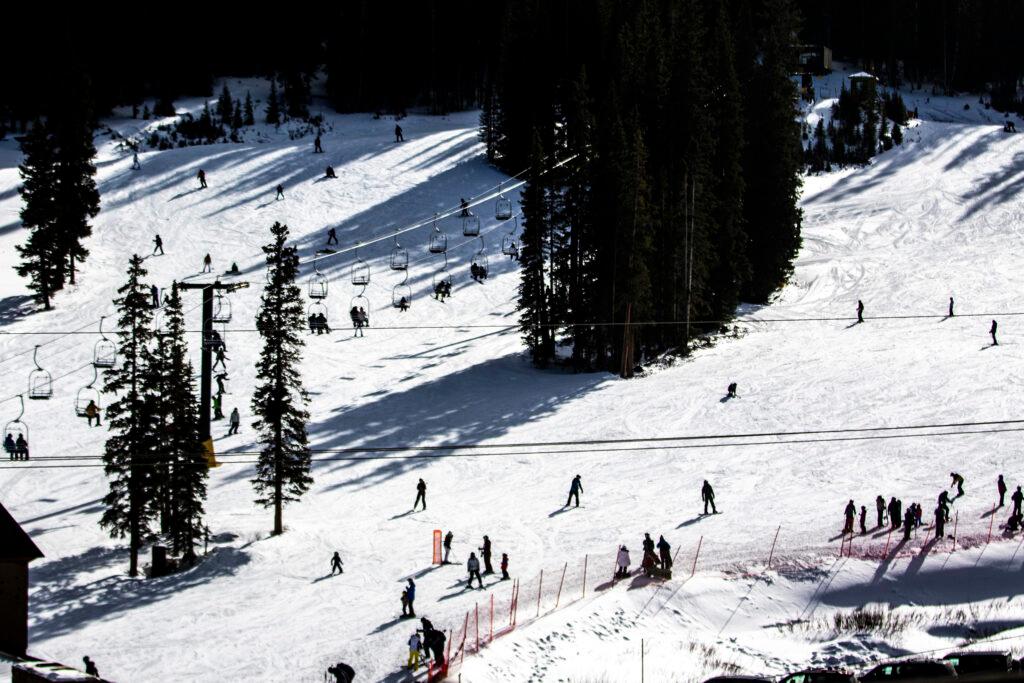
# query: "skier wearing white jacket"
622,561
473,567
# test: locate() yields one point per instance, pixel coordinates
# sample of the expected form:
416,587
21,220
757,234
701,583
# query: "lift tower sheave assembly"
210,341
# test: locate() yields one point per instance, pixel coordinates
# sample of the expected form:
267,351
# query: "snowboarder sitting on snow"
575,489
1015,522
342,672
958,482
90,667
707,494
233,270
473,567
329,173
622,563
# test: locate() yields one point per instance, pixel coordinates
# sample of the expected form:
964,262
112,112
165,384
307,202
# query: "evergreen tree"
819,149
145,113
77,198
127,463
279,402
237,118
533,306
225,106
772,154
249,117
273,106
164,106
897,133
41,259
182,448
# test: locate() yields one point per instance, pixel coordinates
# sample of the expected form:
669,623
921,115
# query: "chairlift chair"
315,310
438,240
360,301
503,208
399,293
40,384
317,282
86,395
16,428
360,273
104,354
441,276
471,226
509,245
221,308
399,256
480,261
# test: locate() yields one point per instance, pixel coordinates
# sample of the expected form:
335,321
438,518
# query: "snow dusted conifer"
237,117
126,460
279,402
533,306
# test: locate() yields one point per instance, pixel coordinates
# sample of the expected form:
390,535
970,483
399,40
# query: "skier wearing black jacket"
707,494
880,509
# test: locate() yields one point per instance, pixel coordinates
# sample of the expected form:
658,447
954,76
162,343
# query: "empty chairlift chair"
399,256
317,282
438,240
104,354
221,308
502,208
360,271
471,226
40,384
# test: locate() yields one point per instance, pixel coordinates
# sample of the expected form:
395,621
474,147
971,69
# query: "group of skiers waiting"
473,563
993,328
651,564
427,641
894,515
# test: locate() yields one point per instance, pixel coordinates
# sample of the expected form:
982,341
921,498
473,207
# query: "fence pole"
771,552
515,605
491,636
991,519
585,575
956,518
476,610
540,585
560,582
448,651
693,569
465,633
885,553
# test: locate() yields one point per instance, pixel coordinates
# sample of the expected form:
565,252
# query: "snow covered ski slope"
942,216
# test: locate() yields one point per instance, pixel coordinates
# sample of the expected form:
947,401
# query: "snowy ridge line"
398,449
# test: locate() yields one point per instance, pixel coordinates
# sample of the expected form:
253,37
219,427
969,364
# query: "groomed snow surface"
939,217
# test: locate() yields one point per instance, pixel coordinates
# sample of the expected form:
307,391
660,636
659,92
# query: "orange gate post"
437,547
560,581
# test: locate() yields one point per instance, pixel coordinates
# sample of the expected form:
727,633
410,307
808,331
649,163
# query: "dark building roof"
14,542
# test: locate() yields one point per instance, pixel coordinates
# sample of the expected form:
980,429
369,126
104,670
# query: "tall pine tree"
41,258
273,105
533,306
127,460
279,401
182,446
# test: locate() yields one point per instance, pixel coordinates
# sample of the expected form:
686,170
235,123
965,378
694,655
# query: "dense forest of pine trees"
678,195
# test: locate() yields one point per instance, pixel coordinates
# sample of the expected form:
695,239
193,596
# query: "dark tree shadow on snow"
69,604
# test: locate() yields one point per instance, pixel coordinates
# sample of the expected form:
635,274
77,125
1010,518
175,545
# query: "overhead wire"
596,446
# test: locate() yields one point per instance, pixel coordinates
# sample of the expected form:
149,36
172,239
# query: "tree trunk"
71,267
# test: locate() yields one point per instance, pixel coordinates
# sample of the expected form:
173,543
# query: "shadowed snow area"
942,216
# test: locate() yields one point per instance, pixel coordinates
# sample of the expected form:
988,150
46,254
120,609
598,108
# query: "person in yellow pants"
414,651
